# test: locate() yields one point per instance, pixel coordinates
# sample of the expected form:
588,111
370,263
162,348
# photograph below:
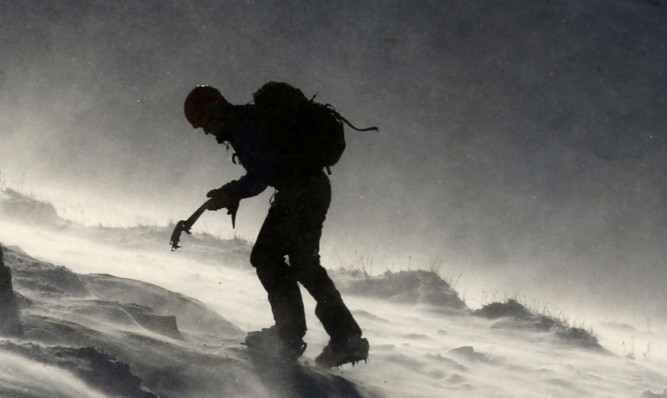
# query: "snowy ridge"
17,206
25,209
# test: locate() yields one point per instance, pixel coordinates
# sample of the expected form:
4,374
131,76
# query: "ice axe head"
181,226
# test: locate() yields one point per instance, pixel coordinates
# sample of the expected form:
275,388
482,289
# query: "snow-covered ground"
112,312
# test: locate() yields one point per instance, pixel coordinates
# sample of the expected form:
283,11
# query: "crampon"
335,354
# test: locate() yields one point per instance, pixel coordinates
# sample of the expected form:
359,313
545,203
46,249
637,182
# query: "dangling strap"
341,118
373,128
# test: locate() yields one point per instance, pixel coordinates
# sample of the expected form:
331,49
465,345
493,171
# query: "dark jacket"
251,145
277,162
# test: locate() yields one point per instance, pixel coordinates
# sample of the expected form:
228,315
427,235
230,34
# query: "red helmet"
200,103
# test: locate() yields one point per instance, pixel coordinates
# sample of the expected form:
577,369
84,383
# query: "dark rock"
10,323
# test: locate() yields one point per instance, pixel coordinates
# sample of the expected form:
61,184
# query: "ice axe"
186,225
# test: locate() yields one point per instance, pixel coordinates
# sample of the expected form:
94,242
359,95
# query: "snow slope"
135,320
123,337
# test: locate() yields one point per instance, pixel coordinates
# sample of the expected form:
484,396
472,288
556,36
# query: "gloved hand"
220,200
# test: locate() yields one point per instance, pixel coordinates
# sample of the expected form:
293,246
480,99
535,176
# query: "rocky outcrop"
406,287
512,314
10,323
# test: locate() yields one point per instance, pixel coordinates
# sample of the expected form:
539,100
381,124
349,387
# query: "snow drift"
128,338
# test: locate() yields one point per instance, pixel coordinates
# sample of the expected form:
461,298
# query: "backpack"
303,134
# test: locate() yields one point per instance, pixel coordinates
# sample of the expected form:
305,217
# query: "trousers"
286,253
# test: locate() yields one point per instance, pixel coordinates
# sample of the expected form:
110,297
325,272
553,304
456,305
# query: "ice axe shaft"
186,226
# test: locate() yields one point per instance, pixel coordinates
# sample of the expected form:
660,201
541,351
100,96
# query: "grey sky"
520,139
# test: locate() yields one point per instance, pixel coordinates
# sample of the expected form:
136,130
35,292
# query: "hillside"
139,321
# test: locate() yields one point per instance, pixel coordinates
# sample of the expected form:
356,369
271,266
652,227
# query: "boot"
269,342
350,350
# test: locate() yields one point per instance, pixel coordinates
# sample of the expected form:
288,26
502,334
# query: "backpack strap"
342,119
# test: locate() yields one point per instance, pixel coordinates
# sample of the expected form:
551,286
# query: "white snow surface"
112,312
